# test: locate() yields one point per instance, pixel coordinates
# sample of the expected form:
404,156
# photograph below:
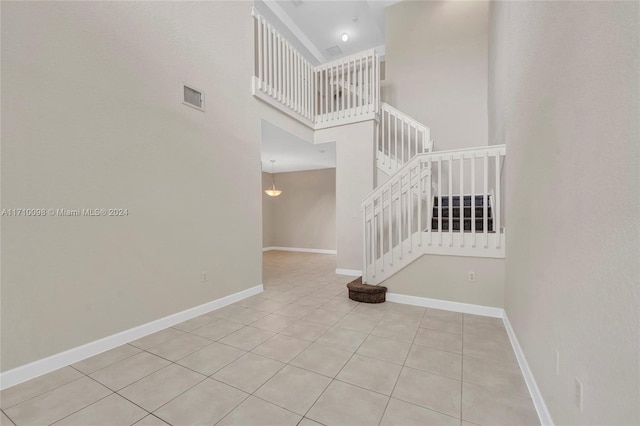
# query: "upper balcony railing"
339,92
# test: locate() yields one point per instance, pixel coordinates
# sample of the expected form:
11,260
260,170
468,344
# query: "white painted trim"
295,29
534,391
37,368
304,250
349,272
465,308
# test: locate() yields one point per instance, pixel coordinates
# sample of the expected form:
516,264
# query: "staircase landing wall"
446,278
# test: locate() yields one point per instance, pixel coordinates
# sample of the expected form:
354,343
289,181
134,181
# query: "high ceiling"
319,25
292,153
313,27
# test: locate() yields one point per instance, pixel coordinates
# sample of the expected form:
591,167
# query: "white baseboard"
46,365
534,391
349,272
303,250
465,308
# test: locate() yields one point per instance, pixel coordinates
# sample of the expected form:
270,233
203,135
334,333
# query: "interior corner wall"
355,179
446,278
92,118
565,79
436,68
304,215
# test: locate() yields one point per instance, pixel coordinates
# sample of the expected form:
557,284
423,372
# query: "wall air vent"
192,97
333,51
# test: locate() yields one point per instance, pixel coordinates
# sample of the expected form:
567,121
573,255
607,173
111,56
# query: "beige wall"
565,78
304,215
92,118
355,160
447,278
436,68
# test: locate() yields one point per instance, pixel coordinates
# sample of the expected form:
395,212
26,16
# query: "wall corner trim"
349,272
534,391
46,365
303,250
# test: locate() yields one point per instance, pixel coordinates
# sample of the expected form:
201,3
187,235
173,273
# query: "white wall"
304,215
566,101
436,68
355,159
92,118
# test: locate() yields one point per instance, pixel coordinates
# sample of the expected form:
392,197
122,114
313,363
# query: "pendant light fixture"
273,192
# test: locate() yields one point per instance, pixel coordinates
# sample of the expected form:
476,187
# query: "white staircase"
446,202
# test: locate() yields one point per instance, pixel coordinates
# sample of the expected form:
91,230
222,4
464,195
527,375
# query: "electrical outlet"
204,276
472,276
557,362
578,394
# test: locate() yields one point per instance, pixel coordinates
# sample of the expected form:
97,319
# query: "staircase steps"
461,206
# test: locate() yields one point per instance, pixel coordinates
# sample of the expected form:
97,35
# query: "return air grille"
193,97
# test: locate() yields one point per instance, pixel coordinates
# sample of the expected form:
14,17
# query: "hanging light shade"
273,192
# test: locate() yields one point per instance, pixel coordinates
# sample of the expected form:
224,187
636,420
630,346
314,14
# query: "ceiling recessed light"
345,37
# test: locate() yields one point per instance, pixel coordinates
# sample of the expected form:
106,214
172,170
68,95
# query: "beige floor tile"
217,329
323,316
369,373
179,347
400,413
493,375
4,420
322,359
154,339
273,322
306,330
151,420
373,310
204,404
20,393
340,304
248,372
196,322
487,408
341,338
161,387
294,389
267,305
428,390
106,358
439,340
406,310
435,361
245,315
294,311
247,338
495,347
443,314
385,349
345,404
451,325
312,301
113,410
123,373
57,403
254,411
358,322
396,329
308,422
211,358
281,348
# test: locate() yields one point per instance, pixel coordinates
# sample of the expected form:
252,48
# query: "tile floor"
301,353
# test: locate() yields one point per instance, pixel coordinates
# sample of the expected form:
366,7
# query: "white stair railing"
398,217
400,138
339,92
